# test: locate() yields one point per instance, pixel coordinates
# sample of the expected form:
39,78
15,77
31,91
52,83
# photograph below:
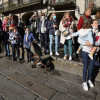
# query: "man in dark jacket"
43,33
34,20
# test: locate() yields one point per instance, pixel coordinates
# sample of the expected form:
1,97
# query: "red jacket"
81,20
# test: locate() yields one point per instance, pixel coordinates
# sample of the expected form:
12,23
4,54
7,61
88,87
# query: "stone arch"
26,17
16,19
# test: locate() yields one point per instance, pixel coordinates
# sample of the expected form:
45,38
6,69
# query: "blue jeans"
29,54
7,49
56,43
87,60
15,46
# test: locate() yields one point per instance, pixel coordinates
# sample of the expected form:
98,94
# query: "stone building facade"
25,8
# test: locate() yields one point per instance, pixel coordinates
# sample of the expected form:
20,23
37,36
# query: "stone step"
62,81
2,98
72,67
33,85
67,85
9,90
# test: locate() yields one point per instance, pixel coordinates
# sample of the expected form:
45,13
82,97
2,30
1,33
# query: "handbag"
65,33
57,32
27,45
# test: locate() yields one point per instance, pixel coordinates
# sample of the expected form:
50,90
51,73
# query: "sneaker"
85,86
65,57
91,56
51,54
90,83
18,59
57,53
70,57
27,61
77,52
47,50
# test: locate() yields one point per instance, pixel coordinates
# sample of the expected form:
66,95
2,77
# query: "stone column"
81,5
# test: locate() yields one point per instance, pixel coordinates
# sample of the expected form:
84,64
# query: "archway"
26,18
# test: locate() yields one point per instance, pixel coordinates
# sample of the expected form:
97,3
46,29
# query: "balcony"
94,4
19,6
62,3
14,4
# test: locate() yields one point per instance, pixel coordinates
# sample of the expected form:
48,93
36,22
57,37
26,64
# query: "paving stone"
36,73
38,98
60,96
74,79
33,85
12,91
59,85
98,96
71,90
1,98
80,94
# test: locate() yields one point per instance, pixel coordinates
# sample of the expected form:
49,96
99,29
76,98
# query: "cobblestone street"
18,81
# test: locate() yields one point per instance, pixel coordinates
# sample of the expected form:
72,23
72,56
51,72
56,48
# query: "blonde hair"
51,17
87,9
98,15
64,17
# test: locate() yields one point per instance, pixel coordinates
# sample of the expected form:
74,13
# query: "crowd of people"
43,30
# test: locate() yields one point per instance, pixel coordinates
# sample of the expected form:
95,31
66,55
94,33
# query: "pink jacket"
4,24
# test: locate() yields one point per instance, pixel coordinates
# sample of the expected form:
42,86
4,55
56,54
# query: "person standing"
52,27
85,18
43,33
66,24
87,70
34,20
5,23
28,38
98,18
5,37
15,40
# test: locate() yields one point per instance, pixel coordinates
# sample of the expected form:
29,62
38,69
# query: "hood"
84,32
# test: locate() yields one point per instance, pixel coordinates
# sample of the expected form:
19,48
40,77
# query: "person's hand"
70,35
16,37
24,46
55,26
88,44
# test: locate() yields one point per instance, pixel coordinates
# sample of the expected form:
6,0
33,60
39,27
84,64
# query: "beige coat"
61,28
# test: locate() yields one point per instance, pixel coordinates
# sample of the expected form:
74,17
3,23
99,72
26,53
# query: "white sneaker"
85,86
77,52
57,53
47,50
51,54
90,56
70,57
90,83
65,57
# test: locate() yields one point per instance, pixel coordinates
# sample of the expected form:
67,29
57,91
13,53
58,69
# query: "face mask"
35,12
95,28
42,17
54,17
27,32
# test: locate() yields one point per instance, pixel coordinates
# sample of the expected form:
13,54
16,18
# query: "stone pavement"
18,81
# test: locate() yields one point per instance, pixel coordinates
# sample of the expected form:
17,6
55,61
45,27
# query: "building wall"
0,2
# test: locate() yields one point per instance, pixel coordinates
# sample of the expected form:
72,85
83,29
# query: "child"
87,35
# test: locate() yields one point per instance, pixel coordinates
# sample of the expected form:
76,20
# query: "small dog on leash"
42,63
